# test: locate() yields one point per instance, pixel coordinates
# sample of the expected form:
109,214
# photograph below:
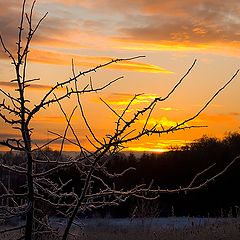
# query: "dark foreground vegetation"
169,170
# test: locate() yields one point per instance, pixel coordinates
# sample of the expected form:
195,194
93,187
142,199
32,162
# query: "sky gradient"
171,34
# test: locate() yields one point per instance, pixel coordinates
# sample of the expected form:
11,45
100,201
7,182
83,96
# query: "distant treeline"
168,170
178,167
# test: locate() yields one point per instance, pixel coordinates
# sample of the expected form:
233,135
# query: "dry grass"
212,231
224,229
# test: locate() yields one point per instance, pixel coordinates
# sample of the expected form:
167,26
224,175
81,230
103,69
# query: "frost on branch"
40,193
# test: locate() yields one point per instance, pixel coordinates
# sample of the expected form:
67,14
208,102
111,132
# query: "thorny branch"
97,182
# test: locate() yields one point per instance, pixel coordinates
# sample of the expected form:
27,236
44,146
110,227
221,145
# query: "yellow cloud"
141,67
157,145
187,45
169,109
122,99
161,46
163,121
146,149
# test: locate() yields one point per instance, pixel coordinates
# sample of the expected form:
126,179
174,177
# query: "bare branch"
38,168
62,84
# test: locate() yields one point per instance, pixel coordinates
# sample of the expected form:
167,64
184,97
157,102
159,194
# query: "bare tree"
36,167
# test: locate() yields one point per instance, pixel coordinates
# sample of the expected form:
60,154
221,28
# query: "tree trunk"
30,214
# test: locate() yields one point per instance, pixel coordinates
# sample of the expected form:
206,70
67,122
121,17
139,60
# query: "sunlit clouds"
168,25
34,86
57,58
170,33
123,99
143,25
158,146
161,122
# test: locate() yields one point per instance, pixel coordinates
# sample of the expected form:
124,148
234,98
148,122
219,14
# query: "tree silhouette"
39,190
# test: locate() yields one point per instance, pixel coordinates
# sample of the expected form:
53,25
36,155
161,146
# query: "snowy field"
152,223
172,228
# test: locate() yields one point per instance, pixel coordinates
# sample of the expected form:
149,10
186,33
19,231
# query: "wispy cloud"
189,25
55,31
170,25
158,145
141,67
162,121
170,109
59,58
33,86
123,99
142,25
192,25
51,57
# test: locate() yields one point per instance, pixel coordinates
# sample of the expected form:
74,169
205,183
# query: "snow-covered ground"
172,228
153,223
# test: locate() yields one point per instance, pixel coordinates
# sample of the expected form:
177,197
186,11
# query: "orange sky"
170,33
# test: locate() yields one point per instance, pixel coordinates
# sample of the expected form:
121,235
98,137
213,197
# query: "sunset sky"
170,33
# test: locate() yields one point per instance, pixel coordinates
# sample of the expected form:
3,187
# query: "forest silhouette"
169,170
